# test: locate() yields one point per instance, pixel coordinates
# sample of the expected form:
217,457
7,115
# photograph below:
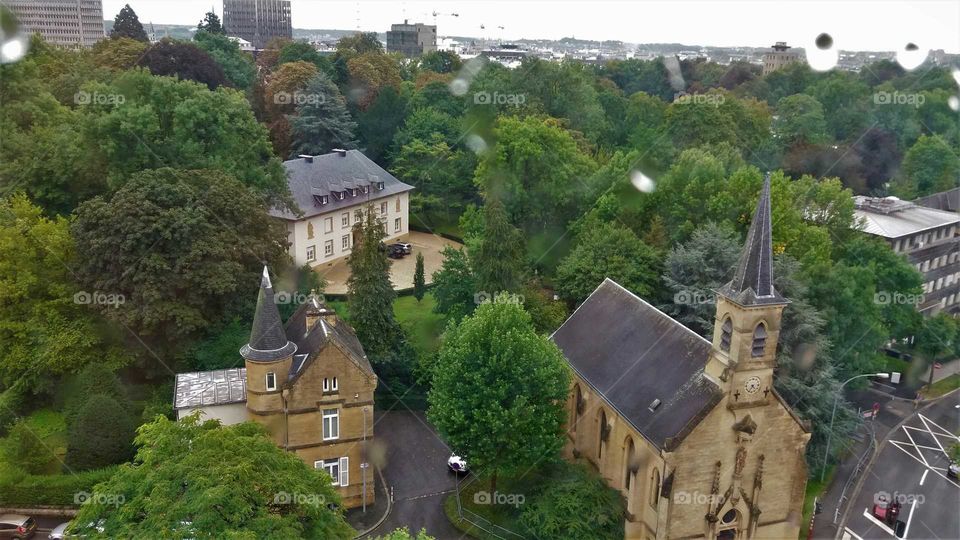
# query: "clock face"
752,385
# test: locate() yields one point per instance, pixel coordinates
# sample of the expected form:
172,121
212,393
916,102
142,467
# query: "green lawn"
815,488
943,386
418,320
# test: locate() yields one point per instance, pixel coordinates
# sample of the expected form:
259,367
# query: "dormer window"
366,189
353,192
759,341
725,332
379,186
324,199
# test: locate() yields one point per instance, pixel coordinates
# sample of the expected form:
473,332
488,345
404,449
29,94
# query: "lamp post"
363,462
826,453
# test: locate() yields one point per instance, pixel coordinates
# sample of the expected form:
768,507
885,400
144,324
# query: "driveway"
414,464
337,272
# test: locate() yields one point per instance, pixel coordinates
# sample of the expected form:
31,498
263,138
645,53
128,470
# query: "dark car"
395,253
17,526
406,247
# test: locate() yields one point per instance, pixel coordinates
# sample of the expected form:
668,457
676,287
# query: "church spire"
268,341
752,283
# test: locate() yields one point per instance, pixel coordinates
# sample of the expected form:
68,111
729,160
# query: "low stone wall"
44,511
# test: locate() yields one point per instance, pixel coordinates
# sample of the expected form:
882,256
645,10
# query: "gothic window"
725,332
759,341
603,432
629,466
654,487
577,408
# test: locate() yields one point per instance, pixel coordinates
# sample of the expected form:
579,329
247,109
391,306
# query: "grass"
505,516
815,488
943,386
418,320
51,427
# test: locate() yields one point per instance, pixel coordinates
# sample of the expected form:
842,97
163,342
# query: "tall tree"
211,23
322,122
484,401
419,281
194,478
930,166
237,65
454,285
500,260
183,60
370,293
101,435
127,24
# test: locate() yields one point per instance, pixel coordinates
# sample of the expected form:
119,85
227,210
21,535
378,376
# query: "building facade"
930,240
331,191
257,21
779,57
412,39
690,431
308,382
69,23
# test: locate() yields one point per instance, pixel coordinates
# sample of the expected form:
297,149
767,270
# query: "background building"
412,39
70,23
779,57
929,238
257,21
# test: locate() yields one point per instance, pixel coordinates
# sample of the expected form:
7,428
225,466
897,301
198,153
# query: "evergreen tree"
322,122
454,285
127,24
499,263
370,294
101,435
26,450
211,23
419,281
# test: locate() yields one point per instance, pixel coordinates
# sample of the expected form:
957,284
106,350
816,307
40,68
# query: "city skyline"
854,25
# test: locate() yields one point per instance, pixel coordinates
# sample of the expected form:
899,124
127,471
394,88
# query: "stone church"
691,432
307,381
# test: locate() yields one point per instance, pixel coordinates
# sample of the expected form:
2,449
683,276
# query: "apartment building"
257,21
69,23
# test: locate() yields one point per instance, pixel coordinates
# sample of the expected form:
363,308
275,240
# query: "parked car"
457,464
406,247
17,526
953,470
886,511
395,252
59,532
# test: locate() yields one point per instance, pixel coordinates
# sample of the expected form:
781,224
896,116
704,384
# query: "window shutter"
344,471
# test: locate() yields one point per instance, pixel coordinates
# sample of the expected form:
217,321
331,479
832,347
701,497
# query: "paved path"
415,467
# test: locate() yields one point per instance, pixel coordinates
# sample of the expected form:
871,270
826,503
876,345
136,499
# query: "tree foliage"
101,435
237,65
185,61
499,264
127,25
419,281
322,122
574,504
454,285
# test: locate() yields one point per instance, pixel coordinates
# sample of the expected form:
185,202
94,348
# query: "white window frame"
328,225
345,242
332,467
311,253
333,428
328,248
266,382
334,386
344,220
397,225
384,208
330,384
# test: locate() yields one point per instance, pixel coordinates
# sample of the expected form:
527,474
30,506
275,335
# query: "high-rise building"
257,21
412,39
779,57
71,23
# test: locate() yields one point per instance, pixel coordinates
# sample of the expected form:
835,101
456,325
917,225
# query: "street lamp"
826,453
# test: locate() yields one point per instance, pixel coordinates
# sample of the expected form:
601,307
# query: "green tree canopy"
211,23
575,504
237,65
499,263
454,286
930,166
101,434
183,60
127,25
419,279
800,120
322,122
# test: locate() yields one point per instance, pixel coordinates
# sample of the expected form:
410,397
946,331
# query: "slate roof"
892,218
632,353
206,388
321,335
336,171
752,283
945,200
267,339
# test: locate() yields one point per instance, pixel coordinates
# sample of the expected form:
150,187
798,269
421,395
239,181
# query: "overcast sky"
854,25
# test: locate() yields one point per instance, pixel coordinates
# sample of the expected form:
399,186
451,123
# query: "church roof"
752,283
267,339
645,364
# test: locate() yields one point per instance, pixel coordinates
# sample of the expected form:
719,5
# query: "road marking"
906,529
914,443
878,523
848,533
924,477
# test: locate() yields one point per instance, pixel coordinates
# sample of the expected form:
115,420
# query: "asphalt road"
911,468
415,467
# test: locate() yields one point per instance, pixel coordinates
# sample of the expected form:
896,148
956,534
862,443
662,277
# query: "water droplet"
459,86
476,143
911,56
954,103
13,42
823,55
824,42
642,182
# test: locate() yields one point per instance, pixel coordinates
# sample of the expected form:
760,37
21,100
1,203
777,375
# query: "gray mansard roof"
335,172
208,388
631,353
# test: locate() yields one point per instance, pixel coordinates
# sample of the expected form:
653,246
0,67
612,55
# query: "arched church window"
654,487
759,340
629,468
725,332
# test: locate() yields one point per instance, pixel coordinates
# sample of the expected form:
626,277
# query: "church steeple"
752,283
268,342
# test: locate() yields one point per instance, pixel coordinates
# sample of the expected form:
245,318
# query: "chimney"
317,310
340,152
306,157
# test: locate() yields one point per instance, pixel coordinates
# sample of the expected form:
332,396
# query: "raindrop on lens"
476,143
642,182
954,103
823,56
13,42
911,56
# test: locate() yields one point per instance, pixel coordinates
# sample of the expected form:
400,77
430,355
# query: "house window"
345,220
334,386
396,225
328,225
328,248
725,334
383,209
366,189
309,230
311,253
337,468
271,381
759,341
345,242
398,204
379,186
324,199
331,424
330,384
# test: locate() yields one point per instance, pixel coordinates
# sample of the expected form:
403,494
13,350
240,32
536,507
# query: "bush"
92,379
574,504
59,490
10,405
26,450
101,435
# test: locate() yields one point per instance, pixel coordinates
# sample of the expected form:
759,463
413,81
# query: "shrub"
93,379
58,490
101,435
574,504
26,450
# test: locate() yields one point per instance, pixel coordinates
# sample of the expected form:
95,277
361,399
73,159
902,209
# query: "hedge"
53,490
